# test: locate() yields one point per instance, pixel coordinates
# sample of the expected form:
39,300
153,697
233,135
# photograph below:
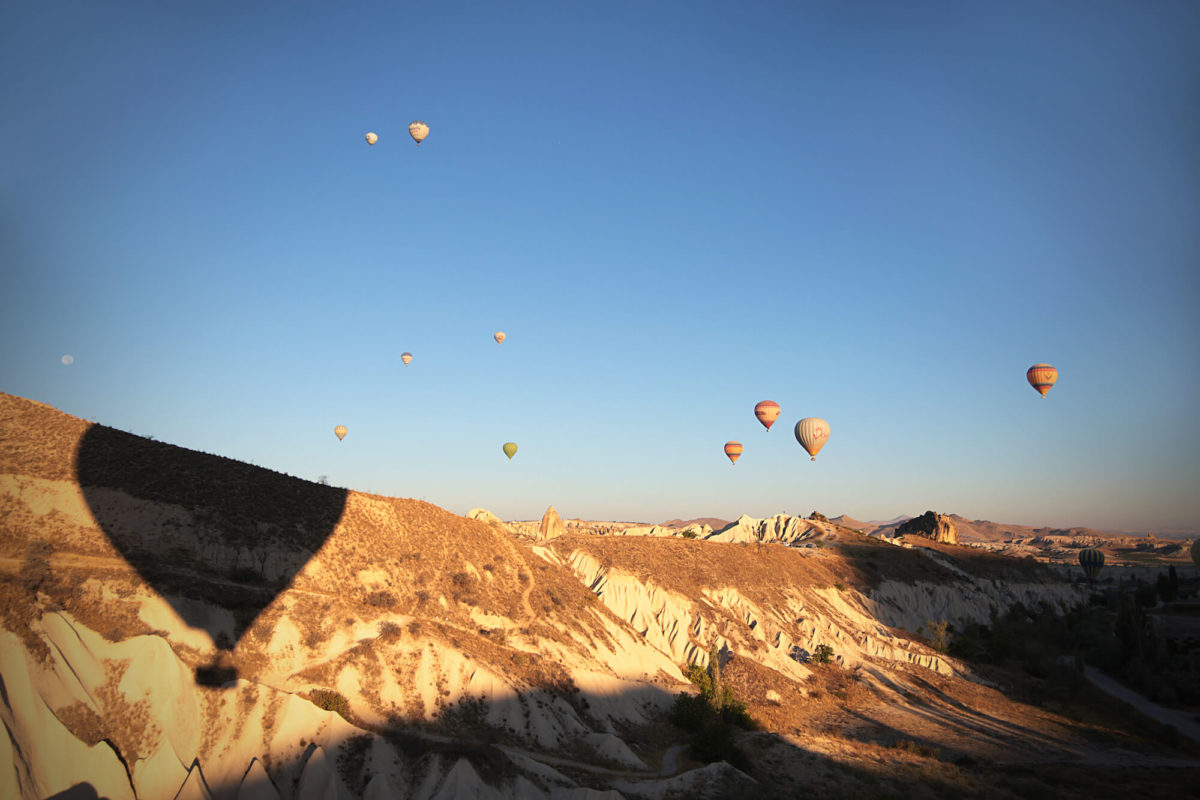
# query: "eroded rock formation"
552,525
931,525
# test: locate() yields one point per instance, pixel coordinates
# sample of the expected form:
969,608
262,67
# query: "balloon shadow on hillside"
218,539
405,752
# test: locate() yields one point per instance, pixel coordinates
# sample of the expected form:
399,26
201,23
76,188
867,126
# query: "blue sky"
879,214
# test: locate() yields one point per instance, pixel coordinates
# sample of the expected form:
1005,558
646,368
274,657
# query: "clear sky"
876,213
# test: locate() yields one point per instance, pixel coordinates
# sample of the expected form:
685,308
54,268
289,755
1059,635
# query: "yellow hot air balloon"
733,450
418,130
1041,377
406,358
767,412
340,431
812,433
1092,561
371,138
499,337
510,449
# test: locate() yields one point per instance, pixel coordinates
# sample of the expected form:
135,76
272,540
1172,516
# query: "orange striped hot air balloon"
1041,377
340,431
733,450
767,412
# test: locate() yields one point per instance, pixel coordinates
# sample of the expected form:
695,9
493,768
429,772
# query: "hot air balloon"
406,358
1091,560
767,412
510,449
418,130
68,359
340,431
733,450
1041,377
499,337
812,433
371,138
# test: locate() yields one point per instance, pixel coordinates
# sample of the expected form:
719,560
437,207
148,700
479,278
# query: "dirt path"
1182,721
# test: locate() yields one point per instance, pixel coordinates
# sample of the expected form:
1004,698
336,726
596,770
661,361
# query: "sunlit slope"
178,624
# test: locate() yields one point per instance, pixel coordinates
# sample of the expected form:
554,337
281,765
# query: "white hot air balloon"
418,131
68,359
371,138
812,433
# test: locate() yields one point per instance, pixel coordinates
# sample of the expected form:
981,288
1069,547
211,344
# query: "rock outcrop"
931,525
779,528
483,515
552,525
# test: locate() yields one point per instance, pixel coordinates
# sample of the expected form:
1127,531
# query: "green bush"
711,715
823,654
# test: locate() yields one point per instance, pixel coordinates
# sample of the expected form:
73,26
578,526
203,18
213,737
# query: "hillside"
178,624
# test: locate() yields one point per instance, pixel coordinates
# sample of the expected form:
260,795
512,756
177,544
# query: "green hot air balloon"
510,449
1092,561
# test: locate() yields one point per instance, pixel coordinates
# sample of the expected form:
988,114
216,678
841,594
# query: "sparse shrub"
35,571
916,748
422,597
689,534
415,628
381,599
841,587
461,579
822,654
331,701
389,631
818,516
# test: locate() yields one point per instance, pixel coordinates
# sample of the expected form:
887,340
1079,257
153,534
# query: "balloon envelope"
371,138
767,412
1091,561
812,433
1041,377
406,358
340,431
68,359
499,337
418,130
510,449
733,450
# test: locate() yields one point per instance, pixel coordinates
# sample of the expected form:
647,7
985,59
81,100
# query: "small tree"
939,634
823,654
